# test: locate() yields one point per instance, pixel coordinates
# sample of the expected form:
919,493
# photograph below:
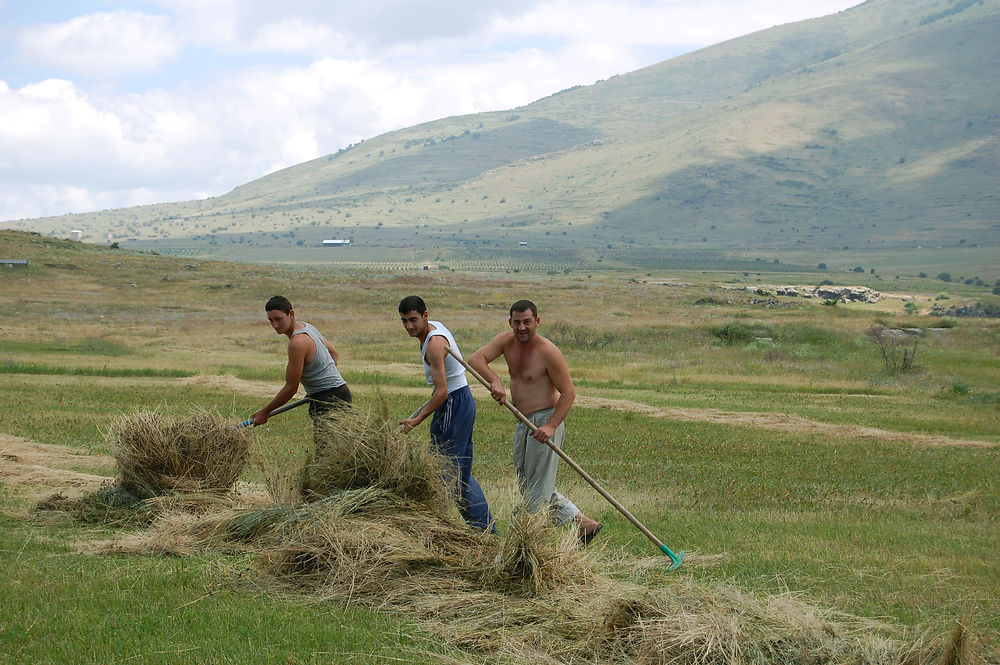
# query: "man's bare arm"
298,347
435,358
481,359
558,371
333,352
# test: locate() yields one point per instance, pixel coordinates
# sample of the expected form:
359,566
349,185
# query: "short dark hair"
524,306
412,304
278,303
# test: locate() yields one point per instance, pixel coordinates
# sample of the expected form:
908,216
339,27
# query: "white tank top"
454,371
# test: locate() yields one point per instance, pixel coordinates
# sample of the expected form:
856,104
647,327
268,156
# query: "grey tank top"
322,373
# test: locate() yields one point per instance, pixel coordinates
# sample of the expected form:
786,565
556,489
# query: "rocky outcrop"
847,294
977,310
835,293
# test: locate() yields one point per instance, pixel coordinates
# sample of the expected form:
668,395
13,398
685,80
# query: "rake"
280,409
675,558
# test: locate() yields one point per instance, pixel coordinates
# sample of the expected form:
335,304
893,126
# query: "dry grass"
164,466
155,455
358,448
375,533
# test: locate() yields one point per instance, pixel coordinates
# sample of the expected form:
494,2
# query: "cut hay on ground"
373,536
357,448
164,465
156,455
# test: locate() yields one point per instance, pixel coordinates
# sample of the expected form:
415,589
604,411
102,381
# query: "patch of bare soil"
231,383
781,422
39,468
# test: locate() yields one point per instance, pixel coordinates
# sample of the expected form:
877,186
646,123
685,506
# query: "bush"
898,349
737,333
944,276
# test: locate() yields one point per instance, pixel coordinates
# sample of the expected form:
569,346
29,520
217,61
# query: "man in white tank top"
451,406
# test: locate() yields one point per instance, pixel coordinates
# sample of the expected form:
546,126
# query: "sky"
108,104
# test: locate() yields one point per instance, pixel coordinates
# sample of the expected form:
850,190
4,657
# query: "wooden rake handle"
674,558
280,409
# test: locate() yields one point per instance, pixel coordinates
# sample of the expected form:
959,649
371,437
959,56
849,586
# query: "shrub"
944,276
736,333
898,349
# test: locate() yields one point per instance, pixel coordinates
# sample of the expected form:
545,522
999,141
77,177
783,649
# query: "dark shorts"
326,400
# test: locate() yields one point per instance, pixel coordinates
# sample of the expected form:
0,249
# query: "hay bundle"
529,559
155,455
356,448
164,466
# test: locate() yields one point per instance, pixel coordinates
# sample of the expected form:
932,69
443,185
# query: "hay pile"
357,449
374,533
155,455
164,465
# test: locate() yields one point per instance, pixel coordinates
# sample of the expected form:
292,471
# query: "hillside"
868,137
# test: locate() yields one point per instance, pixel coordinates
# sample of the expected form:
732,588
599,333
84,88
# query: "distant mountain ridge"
873,129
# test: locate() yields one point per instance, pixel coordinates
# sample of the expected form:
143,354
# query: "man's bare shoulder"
505,339
436,344
300,342
501,343
553,354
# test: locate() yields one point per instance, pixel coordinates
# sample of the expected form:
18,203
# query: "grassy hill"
868,137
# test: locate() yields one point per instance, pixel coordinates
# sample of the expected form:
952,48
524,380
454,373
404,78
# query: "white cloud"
300,36
272,85
676,22
102,43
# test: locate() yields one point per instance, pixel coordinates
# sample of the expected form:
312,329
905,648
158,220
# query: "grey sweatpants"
536,465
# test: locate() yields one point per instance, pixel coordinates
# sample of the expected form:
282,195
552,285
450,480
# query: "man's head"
413,314
523,320
280,315
412,304
279,303
524,306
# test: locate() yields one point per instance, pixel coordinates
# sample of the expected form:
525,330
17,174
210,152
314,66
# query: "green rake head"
675,559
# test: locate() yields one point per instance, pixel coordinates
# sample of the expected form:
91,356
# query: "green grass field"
787,461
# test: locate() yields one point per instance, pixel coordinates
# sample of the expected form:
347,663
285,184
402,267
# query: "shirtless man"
312,361
541,389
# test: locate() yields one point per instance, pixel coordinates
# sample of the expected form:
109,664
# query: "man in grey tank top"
312,361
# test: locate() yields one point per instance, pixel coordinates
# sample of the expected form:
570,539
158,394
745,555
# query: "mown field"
764,435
